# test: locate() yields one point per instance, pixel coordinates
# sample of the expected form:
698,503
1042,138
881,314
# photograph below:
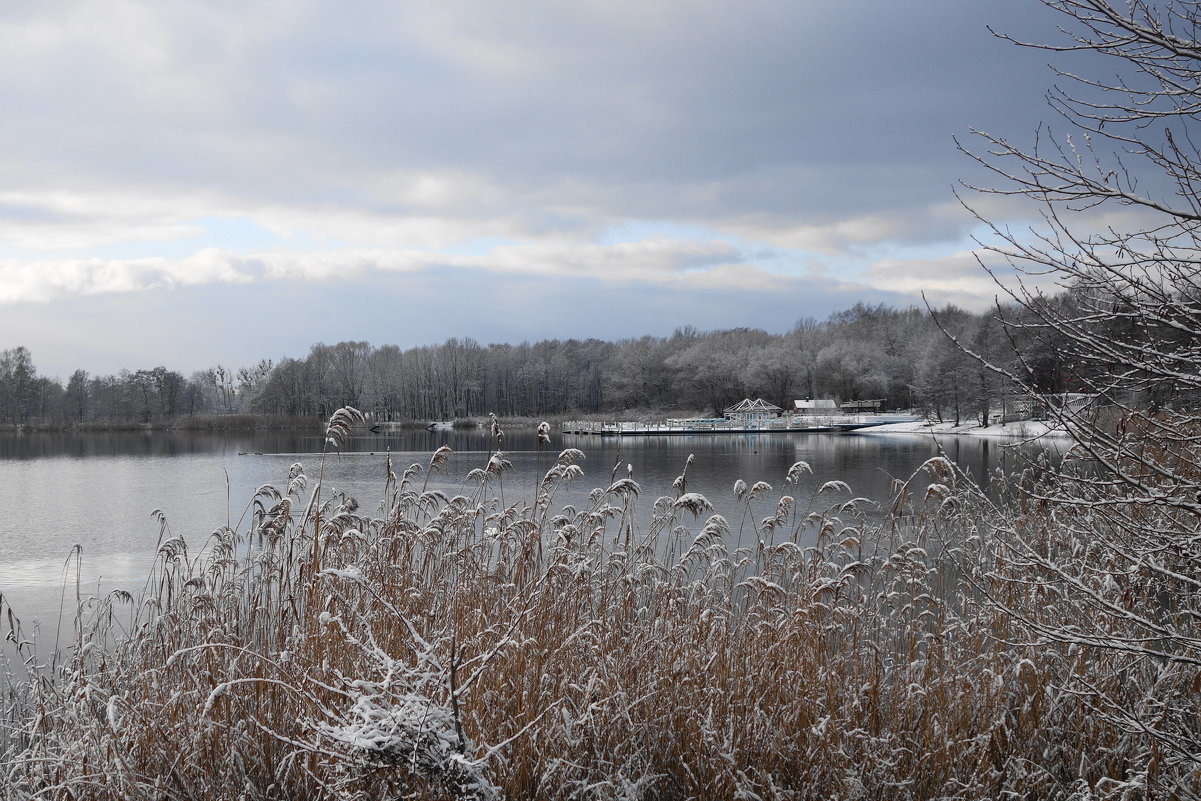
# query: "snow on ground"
1023,429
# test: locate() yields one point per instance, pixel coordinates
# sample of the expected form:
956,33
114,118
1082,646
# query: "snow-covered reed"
461,648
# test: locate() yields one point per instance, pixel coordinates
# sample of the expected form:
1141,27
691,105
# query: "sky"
193,183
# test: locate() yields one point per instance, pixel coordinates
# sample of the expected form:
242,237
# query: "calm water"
98,491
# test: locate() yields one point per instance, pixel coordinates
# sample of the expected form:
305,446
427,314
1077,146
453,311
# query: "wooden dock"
783,425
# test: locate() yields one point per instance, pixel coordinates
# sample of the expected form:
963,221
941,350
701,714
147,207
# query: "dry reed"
457,648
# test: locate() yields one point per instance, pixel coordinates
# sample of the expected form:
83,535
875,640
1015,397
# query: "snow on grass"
465,648
1024,429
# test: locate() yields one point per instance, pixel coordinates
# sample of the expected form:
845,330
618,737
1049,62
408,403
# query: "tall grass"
468,648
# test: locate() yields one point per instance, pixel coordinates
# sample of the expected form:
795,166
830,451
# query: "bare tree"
252,381
77,396
221,381
1105,549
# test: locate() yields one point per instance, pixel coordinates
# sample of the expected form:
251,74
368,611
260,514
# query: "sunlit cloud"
653,260
46,280
661,262
956,278
941,221
973,279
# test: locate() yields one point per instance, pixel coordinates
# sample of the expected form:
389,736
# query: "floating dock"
798,424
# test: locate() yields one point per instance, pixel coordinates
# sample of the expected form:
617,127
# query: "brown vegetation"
464,648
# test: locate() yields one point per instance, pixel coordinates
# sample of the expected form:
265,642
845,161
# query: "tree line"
909,358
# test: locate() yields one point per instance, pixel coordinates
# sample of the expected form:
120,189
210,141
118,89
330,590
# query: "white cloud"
45,280
338,265
57,220
65,219
955,278
959,277
657,262
939,221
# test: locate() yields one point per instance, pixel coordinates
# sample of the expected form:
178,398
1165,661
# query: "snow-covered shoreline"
1024,429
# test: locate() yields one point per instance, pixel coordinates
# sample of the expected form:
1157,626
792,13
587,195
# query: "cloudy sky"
187,183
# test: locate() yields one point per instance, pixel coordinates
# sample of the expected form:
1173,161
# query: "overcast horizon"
193,184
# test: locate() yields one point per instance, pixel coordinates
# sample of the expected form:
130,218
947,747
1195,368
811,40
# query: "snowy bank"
1023,429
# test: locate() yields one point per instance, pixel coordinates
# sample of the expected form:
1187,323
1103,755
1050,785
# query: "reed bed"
482,647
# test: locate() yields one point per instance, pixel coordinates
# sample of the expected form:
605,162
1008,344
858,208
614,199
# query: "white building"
750,411
818,406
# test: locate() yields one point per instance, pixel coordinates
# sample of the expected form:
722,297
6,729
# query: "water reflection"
39,445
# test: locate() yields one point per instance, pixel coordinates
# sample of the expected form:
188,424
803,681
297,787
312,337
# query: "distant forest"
906,357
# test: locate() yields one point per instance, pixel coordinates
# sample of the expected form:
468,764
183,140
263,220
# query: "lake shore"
1023,430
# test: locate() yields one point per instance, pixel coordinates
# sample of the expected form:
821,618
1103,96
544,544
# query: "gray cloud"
758,152
783,107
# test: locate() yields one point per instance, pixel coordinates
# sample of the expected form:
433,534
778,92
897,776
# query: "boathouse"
752,411
859,406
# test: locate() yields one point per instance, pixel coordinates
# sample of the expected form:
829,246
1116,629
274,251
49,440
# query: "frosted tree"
1100,559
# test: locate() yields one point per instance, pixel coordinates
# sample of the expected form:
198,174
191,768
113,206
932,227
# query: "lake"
98,490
